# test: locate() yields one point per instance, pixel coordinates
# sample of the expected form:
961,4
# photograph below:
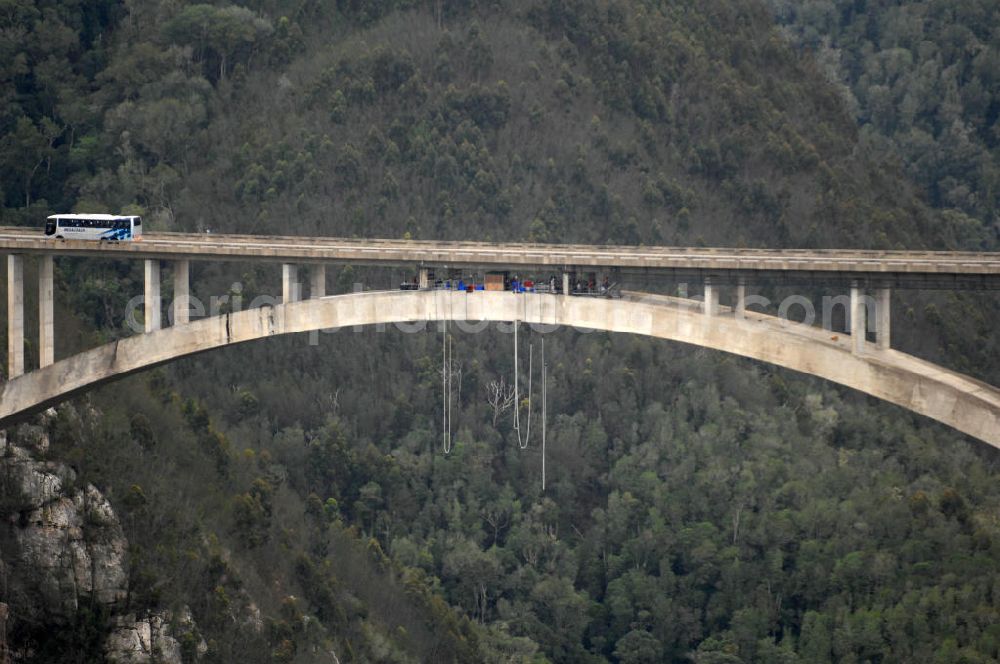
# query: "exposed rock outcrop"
159,637
62,549
61,544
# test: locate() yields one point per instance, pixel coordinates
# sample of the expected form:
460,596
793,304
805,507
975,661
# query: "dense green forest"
295,496
923,80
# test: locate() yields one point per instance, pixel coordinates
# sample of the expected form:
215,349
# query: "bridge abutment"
15,315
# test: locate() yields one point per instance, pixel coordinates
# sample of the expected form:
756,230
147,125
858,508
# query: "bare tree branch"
500,396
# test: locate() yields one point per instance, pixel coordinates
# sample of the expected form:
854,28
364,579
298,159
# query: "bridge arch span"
954,399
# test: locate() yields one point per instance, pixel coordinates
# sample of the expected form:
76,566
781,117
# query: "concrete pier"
883,318
15,315
46,312
290,287
710,306
317,281
182,292
741,299
858,318
152,295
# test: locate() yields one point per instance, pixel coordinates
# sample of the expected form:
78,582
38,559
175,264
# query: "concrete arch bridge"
956,400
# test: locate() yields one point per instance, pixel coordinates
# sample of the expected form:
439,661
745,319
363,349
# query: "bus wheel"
60,237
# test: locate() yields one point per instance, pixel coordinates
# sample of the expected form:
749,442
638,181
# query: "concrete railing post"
858,322
15,315
46,311
711,304
741,298
182,292
317,281
566,287
424,278
151,299
289,283
883,318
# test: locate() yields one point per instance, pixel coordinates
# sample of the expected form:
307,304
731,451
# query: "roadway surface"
917,269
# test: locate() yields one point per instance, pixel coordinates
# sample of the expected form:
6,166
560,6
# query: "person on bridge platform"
461,284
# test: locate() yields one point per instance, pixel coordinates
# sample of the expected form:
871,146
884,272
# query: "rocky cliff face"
61,544
62,548
159,637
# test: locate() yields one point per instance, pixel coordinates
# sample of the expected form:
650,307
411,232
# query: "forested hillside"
923,80
294,495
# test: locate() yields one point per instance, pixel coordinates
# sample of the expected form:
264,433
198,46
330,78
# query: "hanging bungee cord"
545,368
451,387
445,390
447,381
517,396
447,387
521,442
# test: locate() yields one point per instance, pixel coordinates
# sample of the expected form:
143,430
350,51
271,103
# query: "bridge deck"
925,269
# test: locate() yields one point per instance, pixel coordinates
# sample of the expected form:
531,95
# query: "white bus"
94,227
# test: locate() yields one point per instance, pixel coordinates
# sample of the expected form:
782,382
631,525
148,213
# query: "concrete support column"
883,318
152,300
741,298
566,287
858,321
182,292
317,281
424,278
15,315
290,287
710,306
46,312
